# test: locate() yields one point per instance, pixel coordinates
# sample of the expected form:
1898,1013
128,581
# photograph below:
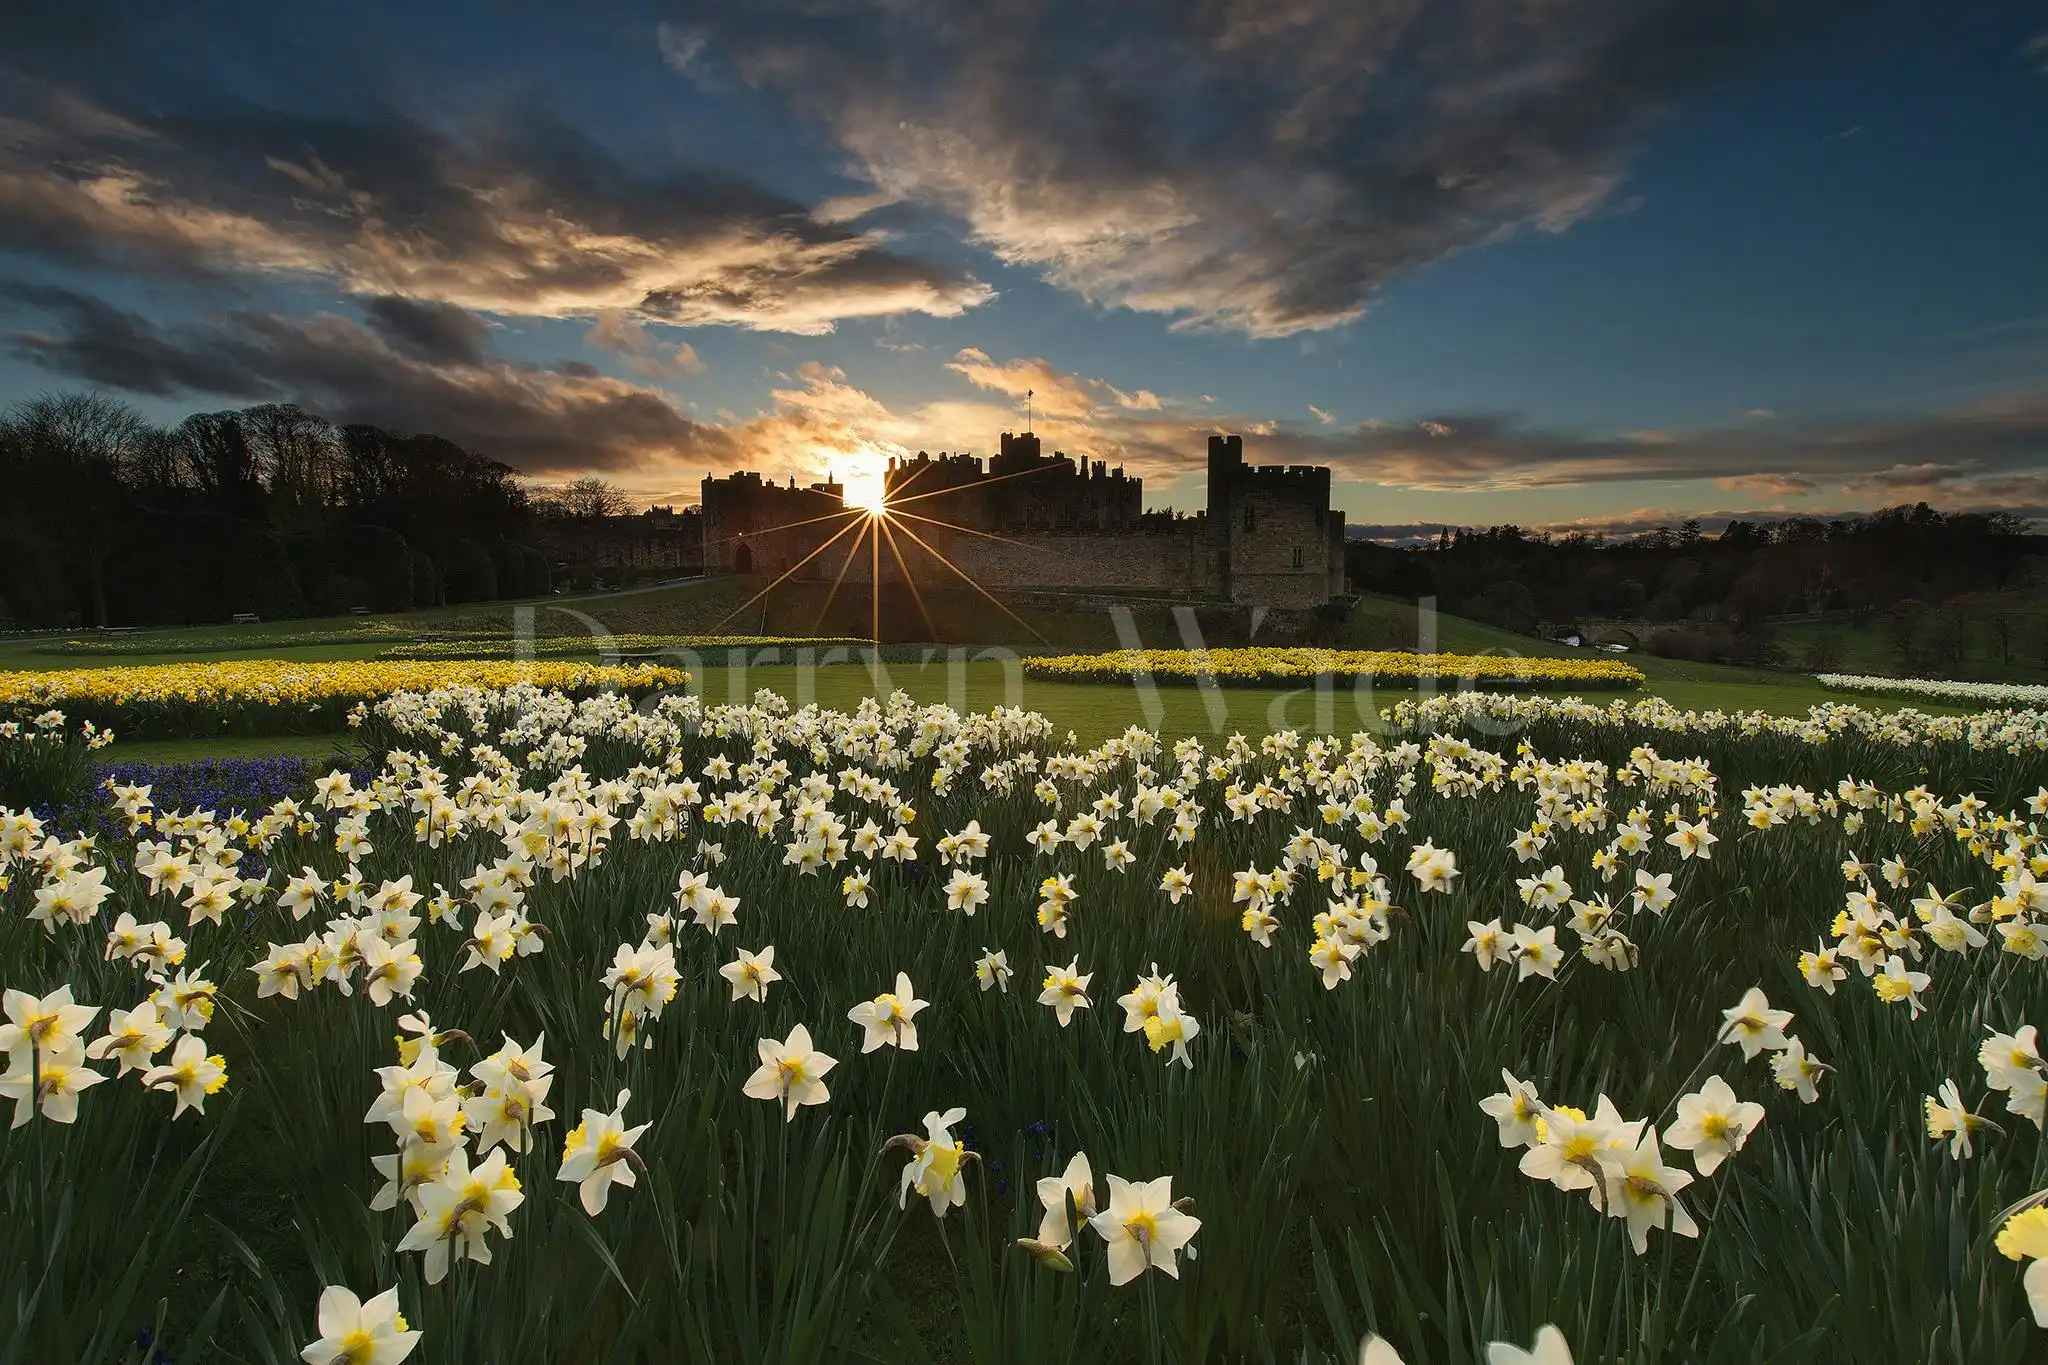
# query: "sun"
864,491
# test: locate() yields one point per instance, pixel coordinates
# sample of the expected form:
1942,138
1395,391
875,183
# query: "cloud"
1784,485
1053,392
1325,418
1258,165
515,215
436,333
626,335
102,344
561,420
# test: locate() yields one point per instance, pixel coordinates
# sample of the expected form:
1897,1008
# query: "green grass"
1092,711
230,746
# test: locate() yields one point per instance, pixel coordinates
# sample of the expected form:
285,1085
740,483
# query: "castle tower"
1226,458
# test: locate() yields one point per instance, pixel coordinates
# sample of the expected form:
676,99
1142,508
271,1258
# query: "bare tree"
80,445
83,429
587,497
2002,630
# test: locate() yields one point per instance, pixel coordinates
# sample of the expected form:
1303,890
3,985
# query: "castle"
1268,537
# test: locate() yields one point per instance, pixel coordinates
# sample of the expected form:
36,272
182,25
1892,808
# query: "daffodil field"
1266,665
581,1030
275,697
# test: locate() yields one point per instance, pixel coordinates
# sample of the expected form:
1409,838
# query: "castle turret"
1226,458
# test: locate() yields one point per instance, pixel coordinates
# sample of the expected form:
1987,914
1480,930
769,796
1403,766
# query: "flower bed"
1254,667
1939,689
273,697
750,1041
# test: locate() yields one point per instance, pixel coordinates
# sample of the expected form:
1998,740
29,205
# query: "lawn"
1092,711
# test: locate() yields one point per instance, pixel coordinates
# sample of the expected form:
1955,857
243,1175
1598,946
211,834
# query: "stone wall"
654,543
1168,559
1173,563
1285,541
752,525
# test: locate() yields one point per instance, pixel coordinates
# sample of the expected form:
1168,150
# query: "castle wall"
1174,563
755,526
1269,537
1168,559
658,539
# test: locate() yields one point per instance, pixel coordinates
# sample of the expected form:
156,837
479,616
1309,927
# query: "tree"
588,497
217,457
2002,635
467,574
1824,655
1901,633
70,452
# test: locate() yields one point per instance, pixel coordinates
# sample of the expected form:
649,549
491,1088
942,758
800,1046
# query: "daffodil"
132,1037
1176,883
357,1333
751,973
966,891
888,1018
49,1024
1143,1228
791,1071
1549,1348
993,969
1643,1190
1897,983
1066,989
1535,952
1172,1027
1753,1025
1948,1117
192,1075
1516,1109
598,1153
1074,1186
48,1081
1713,1124
2025,1237
1484,941
1574,1152
934,1171
2012,1063
1796,1071
459,1209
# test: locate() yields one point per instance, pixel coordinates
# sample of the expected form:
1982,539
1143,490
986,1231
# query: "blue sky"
1624,262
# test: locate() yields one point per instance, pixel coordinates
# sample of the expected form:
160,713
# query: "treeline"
109,519
1711,595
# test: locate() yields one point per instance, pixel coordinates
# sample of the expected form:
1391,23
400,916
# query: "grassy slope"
1865,650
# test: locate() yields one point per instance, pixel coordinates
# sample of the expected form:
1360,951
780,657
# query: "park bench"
246,618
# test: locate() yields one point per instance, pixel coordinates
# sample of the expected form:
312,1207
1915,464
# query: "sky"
1602,264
